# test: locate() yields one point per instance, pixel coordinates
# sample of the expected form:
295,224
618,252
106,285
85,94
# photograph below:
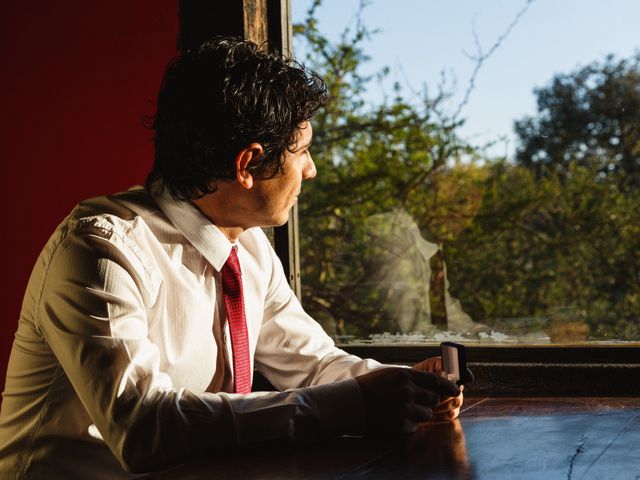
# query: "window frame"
532,370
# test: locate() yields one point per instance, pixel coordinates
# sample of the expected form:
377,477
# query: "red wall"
76,78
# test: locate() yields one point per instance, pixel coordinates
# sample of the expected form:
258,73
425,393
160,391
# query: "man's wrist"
340,406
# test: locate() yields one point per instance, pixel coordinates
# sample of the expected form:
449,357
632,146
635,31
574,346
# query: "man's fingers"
449,404
448,415
425,397
435,383
398,399
433,364
418,413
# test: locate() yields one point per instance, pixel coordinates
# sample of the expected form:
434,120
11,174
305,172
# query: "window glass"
478,171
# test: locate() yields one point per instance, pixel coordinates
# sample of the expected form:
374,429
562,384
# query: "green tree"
589,117
554,250
371,159
550,241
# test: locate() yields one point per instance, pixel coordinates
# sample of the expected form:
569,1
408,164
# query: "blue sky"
419,39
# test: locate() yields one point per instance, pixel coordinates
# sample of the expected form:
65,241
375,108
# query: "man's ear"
244,160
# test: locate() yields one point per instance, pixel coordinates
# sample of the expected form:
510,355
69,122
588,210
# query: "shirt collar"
196,228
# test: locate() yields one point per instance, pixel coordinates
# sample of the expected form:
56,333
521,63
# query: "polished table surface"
510,438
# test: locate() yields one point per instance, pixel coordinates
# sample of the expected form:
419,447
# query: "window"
497,205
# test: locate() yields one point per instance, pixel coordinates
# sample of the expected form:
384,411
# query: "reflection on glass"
408,274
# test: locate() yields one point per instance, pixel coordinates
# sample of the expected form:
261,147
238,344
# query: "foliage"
561,250
525,251
590,117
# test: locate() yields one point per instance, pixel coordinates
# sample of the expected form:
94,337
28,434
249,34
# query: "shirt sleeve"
293,350
92,313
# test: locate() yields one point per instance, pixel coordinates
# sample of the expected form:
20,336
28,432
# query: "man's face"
275,196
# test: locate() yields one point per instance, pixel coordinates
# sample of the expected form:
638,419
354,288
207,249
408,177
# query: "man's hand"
449,407
399,399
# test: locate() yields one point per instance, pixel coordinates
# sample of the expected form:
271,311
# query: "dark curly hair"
217,100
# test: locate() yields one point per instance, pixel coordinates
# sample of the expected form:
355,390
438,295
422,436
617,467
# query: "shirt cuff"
340,406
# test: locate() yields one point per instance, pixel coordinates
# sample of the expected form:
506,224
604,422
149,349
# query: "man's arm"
293,351
91,305
92,311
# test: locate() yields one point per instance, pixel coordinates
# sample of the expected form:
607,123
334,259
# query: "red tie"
234,302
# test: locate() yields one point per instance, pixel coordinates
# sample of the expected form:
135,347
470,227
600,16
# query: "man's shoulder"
128,205
120,213
109,226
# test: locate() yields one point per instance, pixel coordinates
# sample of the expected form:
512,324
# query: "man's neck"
232,233
230,229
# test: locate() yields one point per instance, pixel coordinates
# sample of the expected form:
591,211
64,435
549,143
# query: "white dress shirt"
121,356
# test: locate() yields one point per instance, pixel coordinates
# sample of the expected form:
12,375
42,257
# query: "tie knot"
233,263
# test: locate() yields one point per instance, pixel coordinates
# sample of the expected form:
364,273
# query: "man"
148,310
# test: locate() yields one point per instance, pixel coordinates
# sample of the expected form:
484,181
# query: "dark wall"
76,79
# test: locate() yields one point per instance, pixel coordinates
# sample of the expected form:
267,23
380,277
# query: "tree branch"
482,57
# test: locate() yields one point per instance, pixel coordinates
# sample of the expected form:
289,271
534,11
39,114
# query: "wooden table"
495,438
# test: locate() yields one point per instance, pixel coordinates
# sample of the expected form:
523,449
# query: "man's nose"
309,170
